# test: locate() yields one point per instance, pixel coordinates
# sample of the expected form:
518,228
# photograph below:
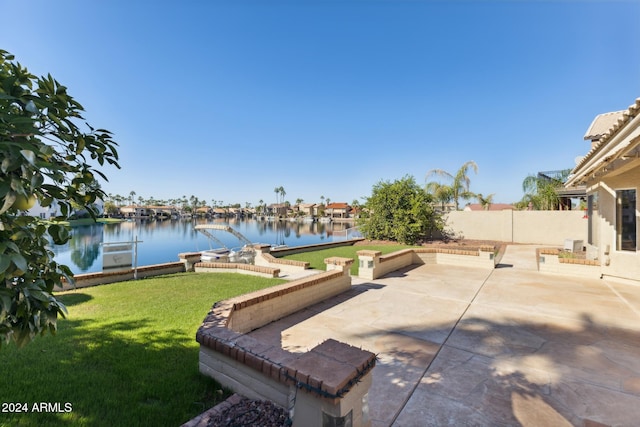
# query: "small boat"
215,255
246,254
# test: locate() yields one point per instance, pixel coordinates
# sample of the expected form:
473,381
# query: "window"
626,237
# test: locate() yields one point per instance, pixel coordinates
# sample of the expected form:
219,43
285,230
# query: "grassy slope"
316,258
125,356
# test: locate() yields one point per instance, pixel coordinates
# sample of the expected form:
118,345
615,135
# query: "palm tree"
282,192
441,192
277,191
131,196
542,190
355,204
485,202
459,182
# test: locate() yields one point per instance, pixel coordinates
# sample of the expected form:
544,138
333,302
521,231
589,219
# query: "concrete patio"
500,347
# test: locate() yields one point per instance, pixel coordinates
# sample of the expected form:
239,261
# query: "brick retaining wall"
100,278
231,267
333,378
374,265
551,261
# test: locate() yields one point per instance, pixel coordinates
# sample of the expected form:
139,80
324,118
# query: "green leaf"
81,144
36,180
5,298
5,261
5,165
59,233
29,156
9,199
19,261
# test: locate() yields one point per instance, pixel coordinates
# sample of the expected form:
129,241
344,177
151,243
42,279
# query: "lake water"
162,241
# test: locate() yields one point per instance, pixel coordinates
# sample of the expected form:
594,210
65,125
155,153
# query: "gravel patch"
247,412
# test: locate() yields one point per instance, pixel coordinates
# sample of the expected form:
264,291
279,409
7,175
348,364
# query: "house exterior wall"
53,210
615,263
307,209
612,164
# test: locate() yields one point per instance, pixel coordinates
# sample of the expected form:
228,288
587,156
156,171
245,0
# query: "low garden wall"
372,264
232,267
265,258
100,278
189,261
329,383
556,261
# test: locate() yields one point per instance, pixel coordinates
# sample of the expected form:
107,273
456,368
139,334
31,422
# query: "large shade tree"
49,154
459,182
401,211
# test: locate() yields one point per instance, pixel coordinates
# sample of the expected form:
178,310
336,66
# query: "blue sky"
226,100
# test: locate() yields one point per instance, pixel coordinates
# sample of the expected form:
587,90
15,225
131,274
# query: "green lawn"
316,258
125,356
90,221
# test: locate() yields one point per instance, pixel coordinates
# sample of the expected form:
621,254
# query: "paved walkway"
473,347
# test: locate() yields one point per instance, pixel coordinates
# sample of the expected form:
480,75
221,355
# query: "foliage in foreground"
125,356
44,156
400,211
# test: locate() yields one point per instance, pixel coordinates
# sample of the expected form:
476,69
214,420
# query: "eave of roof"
589,162
601,124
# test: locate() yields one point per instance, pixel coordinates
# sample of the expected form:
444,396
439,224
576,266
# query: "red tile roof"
337,206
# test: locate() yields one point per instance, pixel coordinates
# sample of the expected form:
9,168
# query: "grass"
125,356
89,221
316,258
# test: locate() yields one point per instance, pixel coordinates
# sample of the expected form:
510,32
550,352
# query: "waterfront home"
133,211
337,210
611,173
307,209
163,211
53,210
277,209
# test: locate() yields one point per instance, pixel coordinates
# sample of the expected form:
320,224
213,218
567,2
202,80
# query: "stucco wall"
625,264
372,264
316,288
539,227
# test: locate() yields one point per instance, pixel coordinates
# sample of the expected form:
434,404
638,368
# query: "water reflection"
85,249
162,241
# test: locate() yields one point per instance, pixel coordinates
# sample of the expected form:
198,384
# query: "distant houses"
53,210
489,207
338,210
133,211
